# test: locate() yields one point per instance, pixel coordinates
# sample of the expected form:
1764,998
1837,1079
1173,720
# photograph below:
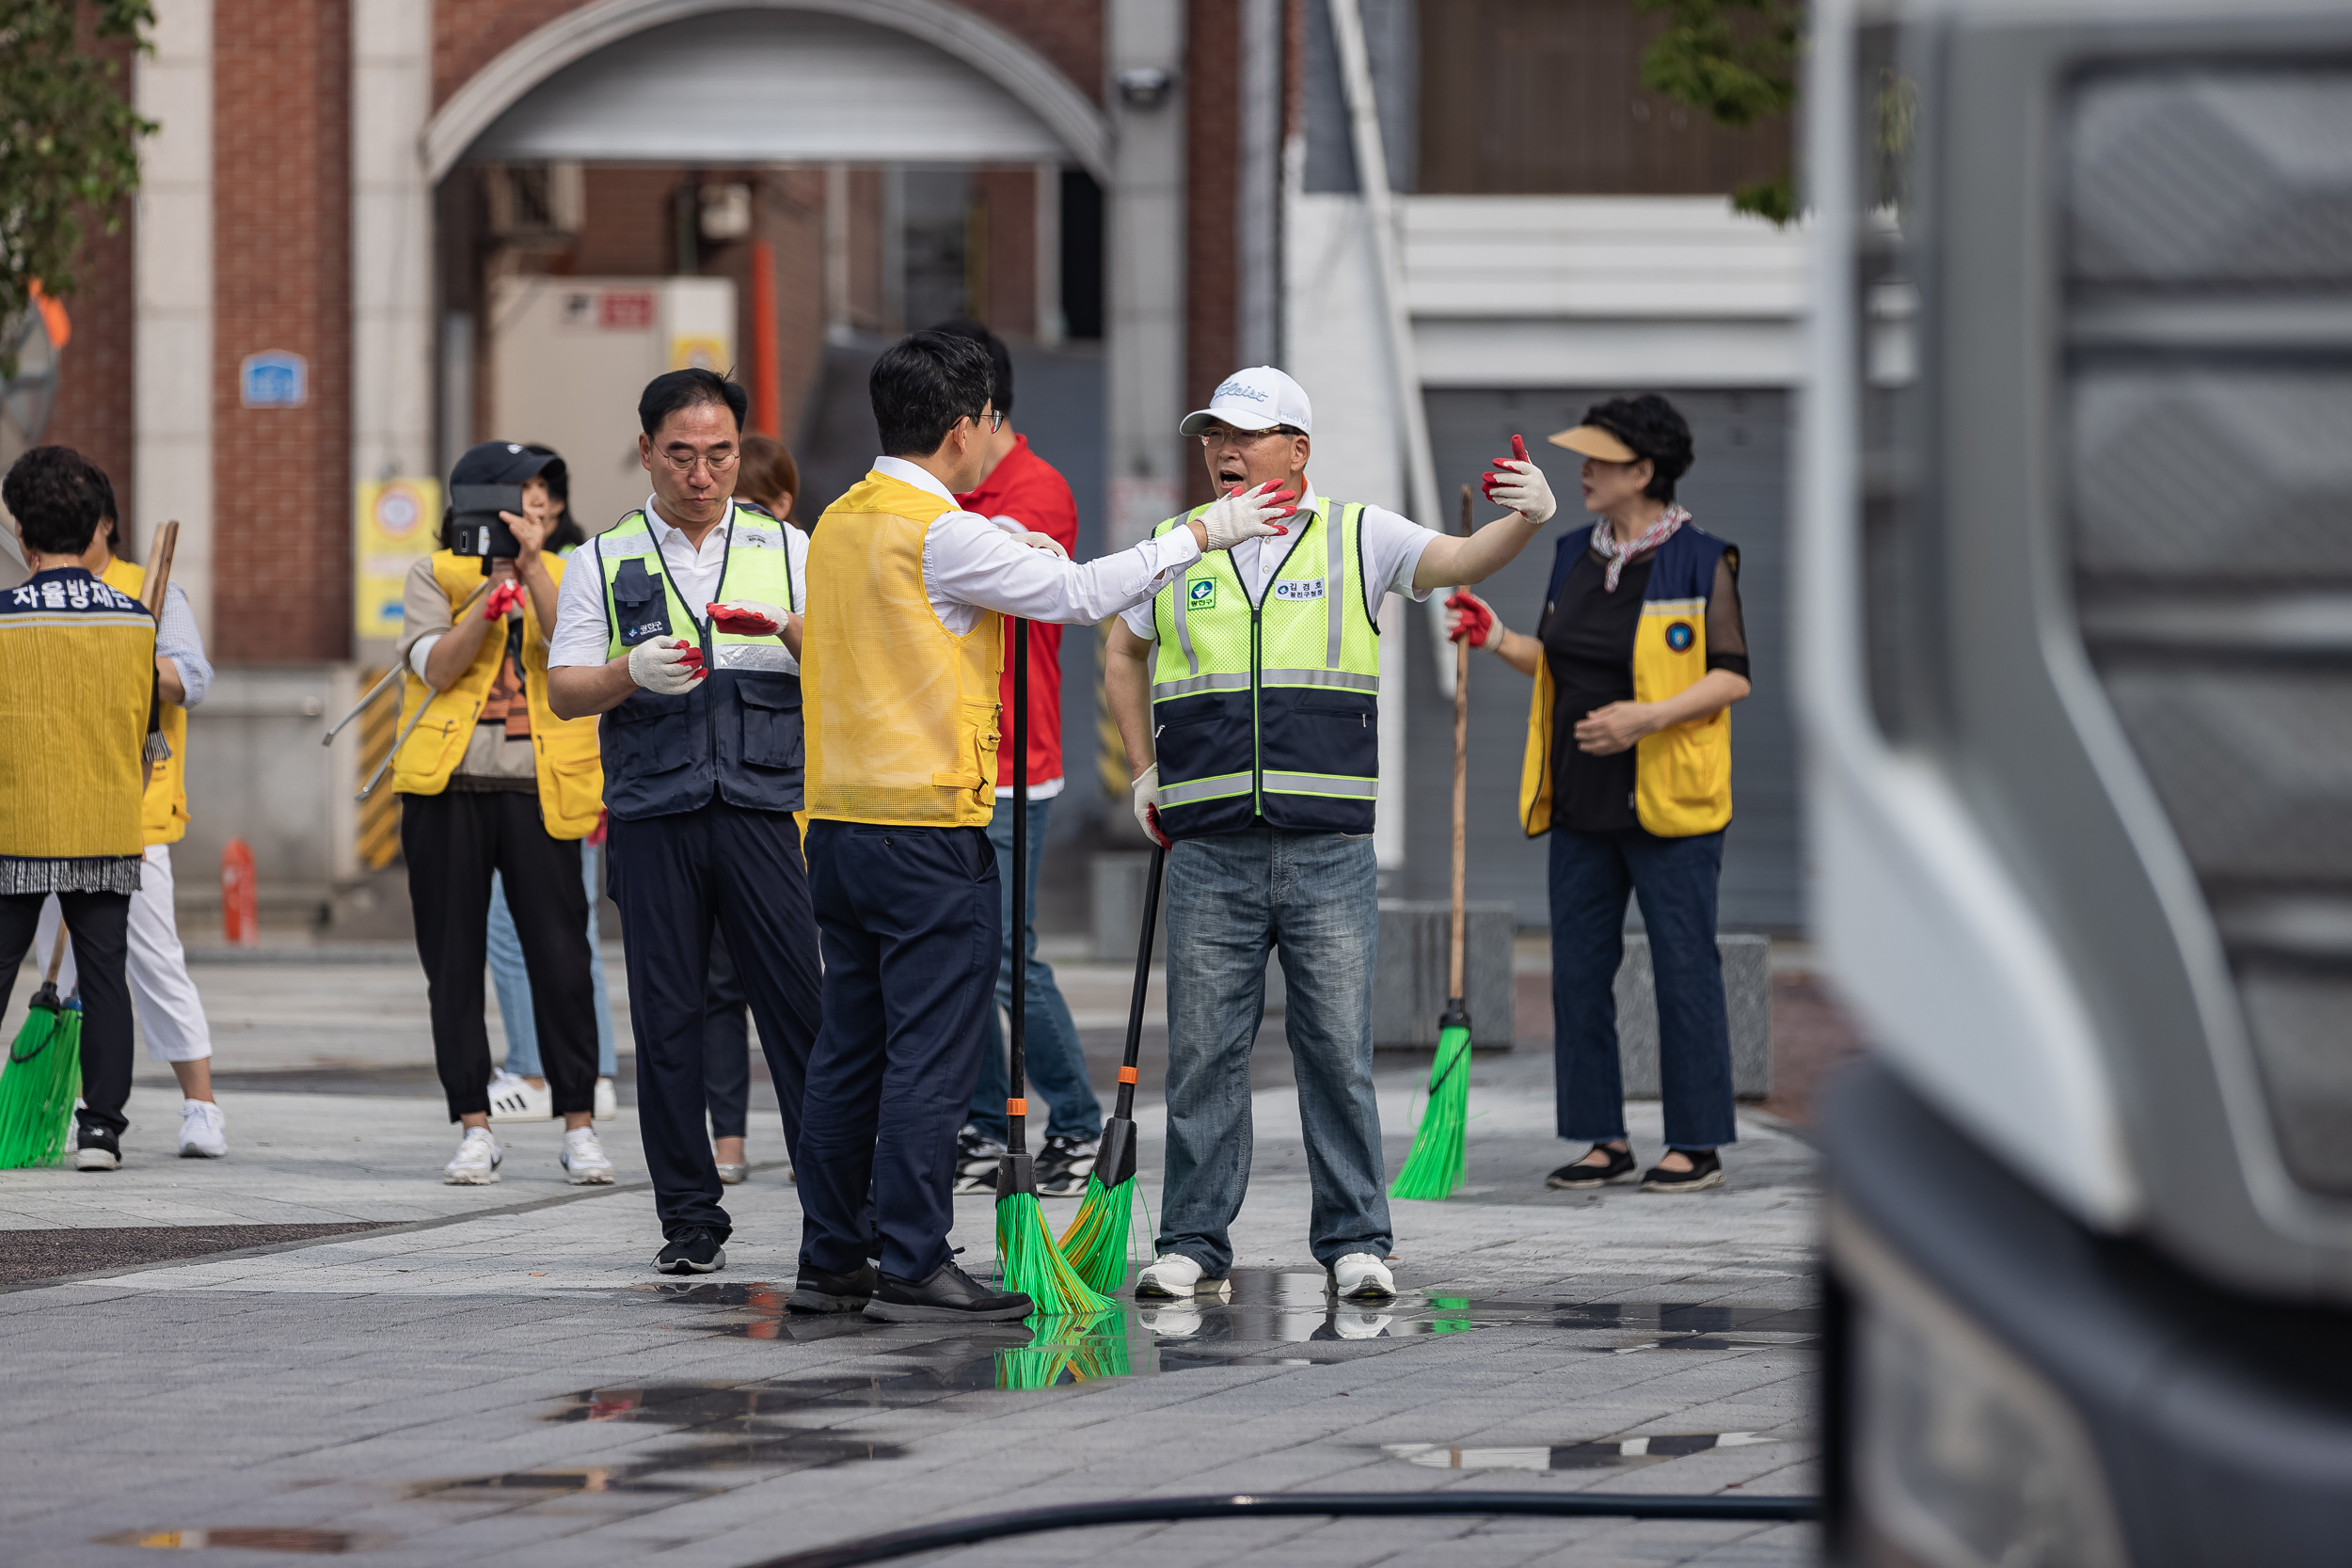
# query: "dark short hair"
767,471
1000,393
678,390
58,497
1655,429
922,385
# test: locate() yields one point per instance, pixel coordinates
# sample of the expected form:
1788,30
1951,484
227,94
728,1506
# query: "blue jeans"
1592,875
1056,1068
1230,899
514,985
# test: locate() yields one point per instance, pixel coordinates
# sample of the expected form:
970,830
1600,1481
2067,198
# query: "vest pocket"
771,724
646,735
979,738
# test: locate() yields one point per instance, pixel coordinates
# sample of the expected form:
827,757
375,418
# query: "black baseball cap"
506,463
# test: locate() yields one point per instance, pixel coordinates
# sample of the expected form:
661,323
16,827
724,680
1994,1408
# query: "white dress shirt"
971,566
1393,547
581,635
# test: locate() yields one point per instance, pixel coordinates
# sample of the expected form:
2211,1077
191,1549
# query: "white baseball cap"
1259,397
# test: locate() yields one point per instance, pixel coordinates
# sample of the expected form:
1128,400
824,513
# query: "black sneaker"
1706,1170
1578,1177
949,1296
1064,1164
695,1252
818,1292
95,1149
976,1154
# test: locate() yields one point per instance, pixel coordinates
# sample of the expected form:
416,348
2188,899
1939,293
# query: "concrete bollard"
1747,996
1409,986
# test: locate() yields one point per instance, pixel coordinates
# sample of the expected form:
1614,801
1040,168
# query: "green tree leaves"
1735,61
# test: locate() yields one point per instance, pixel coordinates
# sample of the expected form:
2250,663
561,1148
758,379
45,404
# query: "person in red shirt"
1022,491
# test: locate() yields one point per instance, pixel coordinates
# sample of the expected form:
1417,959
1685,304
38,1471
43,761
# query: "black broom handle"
1016,1123
1143,983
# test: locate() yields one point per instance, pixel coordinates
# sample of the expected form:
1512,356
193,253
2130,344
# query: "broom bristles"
1434,1168
1096,1242
37,1090
1028,1261
1086,1348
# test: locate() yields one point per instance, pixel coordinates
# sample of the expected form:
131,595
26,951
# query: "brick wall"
1212,212
93,413
282,172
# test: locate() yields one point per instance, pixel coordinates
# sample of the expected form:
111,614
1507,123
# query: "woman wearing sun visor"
1638,656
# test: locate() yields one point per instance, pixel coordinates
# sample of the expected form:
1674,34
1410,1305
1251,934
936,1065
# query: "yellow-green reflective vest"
738,733
1270,708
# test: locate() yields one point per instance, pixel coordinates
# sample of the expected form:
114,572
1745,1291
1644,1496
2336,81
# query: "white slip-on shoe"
583,1158
1171,1277
203,1130
733,1176
477,1162
608,1099
514,1098
1360,1276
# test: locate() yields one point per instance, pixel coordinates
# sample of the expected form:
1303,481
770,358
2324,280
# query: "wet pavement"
494,1375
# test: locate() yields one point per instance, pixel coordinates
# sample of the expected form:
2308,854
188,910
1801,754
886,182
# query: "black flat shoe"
1578,1177
818,1292
949,1296
1705,1171
695,1252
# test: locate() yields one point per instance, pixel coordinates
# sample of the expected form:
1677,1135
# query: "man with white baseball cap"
1248,693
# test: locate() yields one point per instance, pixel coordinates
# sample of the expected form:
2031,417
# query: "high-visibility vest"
564,751
77,678
735,734
904,716
1682,774
164,813
1270,708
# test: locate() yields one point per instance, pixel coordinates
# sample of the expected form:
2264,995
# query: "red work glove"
1472,620
504,597
596,834
746,617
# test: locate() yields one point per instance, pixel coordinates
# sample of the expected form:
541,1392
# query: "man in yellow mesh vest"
77,707
900,658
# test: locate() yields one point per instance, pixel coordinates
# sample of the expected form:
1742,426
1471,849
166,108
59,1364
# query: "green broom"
1083,1349
1434,1168
1096,1242
1027,1257
43,1076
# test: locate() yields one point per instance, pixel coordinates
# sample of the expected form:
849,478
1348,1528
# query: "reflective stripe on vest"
1269,708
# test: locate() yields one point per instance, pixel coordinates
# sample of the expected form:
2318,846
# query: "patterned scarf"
1606,547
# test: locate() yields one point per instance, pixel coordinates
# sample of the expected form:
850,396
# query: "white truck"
2074,622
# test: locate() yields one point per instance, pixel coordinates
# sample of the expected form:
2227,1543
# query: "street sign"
274,379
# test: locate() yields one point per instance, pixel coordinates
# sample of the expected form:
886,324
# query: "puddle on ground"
251,1538
1614,1453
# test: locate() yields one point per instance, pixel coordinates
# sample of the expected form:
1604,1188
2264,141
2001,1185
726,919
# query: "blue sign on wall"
274,379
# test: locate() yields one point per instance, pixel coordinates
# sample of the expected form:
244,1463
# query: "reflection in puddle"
1625,1452
265,1538
615,1478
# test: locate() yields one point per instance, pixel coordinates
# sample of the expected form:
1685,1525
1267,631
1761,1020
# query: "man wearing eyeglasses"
683,630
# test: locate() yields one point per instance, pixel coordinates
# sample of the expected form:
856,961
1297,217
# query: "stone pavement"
496,1375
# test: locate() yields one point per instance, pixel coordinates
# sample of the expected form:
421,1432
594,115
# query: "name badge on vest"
1293,588
641,610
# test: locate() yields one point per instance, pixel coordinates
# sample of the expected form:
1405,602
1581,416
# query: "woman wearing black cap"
1640,653
491,781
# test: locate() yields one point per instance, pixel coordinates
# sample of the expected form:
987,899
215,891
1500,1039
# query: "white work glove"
1520,485
1147,802
1244,513
666,666
746,617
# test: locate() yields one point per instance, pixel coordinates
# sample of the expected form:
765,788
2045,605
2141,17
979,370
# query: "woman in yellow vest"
491,781
1638,658
169,1010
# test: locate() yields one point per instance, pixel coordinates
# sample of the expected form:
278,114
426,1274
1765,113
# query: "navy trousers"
675,879
910,929
1592,875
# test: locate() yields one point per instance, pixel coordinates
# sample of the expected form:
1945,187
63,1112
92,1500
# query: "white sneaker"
513,1098
1171,1277
608,1099
583,1157
733,1176
203,1130
477,1162
1360,1276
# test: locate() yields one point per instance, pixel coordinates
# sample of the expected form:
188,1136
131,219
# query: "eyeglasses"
684,463
1229,438
994,418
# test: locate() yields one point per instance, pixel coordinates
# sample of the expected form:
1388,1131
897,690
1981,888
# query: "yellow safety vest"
903,720
77,678
564,751
164,813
